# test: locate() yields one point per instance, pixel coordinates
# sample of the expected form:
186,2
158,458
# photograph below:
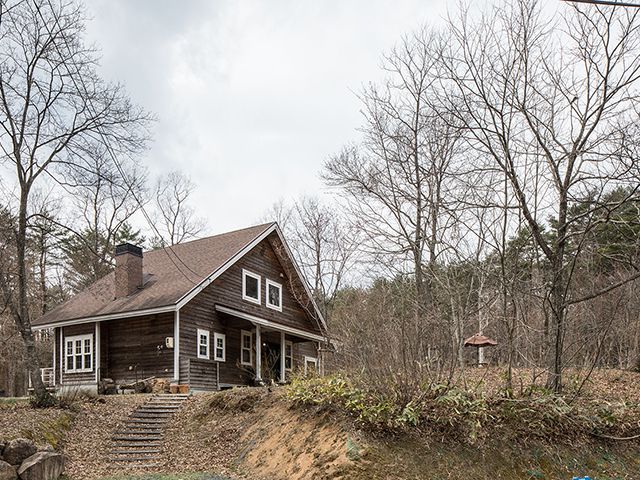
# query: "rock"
42,466
17,450
46,448
7,472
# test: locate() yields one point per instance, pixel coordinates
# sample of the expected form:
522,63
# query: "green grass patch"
51,431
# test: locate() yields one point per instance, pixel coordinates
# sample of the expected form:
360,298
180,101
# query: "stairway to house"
138,444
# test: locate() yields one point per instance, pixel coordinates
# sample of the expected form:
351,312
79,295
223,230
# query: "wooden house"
231,309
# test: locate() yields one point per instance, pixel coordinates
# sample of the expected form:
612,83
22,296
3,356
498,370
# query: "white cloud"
251,96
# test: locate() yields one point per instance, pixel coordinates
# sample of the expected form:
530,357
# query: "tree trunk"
21,313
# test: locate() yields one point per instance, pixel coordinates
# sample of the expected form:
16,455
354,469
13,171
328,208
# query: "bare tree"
54,109
105,205
324,246
396,181
550,103
177,220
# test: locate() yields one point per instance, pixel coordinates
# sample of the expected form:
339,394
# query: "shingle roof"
169,274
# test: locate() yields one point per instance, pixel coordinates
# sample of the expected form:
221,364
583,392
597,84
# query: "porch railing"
46,374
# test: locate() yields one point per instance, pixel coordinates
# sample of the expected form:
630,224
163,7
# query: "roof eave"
107,316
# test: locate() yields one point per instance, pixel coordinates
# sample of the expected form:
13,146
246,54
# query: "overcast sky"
251,97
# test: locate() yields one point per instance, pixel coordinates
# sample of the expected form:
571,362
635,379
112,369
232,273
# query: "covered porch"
272,350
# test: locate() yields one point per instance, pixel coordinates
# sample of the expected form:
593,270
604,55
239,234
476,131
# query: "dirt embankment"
257,433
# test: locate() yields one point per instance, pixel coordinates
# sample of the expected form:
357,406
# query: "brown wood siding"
262,260
227,290
202,374
304,349
81,378
135,348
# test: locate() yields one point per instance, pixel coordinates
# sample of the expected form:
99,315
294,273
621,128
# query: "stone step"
136,465
142,422
122,444
140,438
140,432
156,403
150,415
134,451
144,425
155,411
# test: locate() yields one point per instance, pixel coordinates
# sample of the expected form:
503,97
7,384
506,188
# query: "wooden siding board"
136,348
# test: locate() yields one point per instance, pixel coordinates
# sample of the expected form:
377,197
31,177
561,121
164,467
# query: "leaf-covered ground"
253,433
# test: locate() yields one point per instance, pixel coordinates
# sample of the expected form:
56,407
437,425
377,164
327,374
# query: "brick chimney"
128,269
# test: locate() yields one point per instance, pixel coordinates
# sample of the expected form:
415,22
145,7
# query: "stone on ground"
7,472
42,466
17,450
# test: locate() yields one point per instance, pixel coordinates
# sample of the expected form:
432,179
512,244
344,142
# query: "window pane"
220,342
203,339
69,363
78,346
246,341
78,362
246,356
274,295
87,361
219,353
251,287
69,348
203,350
87,346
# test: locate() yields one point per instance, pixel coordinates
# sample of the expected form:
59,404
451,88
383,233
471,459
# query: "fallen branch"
620,439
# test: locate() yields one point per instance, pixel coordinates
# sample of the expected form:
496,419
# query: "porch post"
258,354
63,354
283,377
55,347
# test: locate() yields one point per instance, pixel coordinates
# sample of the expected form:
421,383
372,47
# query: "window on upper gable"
274,295
250,286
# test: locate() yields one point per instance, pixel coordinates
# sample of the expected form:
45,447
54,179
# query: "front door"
271,361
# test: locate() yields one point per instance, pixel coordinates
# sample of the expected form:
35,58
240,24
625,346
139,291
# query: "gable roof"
172,277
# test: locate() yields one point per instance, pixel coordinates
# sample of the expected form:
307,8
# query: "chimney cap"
128,248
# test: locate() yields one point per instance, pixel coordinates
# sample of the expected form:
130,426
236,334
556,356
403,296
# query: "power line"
109,149
609,3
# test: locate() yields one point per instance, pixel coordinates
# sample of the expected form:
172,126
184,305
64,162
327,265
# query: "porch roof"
271,325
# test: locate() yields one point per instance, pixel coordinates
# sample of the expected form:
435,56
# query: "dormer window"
250,286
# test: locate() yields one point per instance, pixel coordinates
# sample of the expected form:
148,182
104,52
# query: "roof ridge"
265,225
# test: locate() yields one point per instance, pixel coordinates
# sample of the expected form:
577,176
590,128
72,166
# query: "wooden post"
55,347
283,351
258,354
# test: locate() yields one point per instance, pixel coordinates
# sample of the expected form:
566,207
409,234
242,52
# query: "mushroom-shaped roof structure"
479,340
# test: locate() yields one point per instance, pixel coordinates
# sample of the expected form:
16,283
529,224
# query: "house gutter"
112,316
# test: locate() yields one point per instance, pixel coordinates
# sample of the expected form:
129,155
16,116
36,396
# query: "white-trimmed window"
310,365
274,295
78,353
219,346
250,286
203,344
288,355
246,348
